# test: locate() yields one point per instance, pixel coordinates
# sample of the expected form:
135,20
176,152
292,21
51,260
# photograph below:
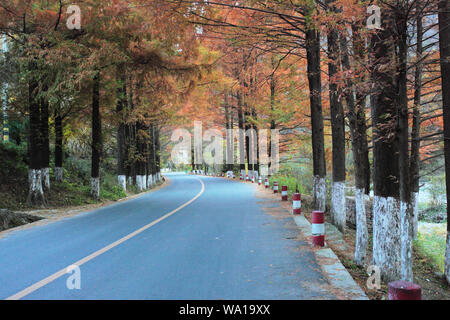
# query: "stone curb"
332,268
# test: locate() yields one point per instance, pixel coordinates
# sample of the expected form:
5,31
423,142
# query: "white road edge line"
62,272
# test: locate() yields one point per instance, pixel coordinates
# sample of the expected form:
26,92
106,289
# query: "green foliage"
293,174
437,189
436,213
431,243
18,130
13,158
109,189
290,182
76,169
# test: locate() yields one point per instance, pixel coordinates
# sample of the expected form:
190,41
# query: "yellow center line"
63,271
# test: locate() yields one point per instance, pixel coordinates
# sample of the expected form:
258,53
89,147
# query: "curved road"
197,238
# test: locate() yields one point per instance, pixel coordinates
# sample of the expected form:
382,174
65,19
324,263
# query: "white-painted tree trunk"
122,180
387,244
338,205
130,180
59,173
415,214
320,193
361,228
406,239
140,183
36,192
95,188
150,181
45,172
447,258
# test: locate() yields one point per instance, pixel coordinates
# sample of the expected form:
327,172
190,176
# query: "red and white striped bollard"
296,203
266,183
318,228
275,187
284,193
259,181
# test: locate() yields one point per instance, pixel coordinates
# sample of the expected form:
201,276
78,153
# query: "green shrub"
431,243
13,161
436,189
291,182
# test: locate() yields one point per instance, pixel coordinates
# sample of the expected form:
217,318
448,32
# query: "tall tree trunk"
315,91
36,192
359,48
96,138
45,165
152,155
415,132
444,44
58,148
248,143
130,142
357,132
5,129
386,204
256,149
192,155
157,153
337,130
403,136
273,124
229,135
241,136
131,135
122,150
141,164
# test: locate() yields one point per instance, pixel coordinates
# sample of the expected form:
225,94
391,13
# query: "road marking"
62,272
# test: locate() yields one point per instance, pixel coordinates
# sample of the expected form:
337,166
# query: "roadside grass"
431,243
291,182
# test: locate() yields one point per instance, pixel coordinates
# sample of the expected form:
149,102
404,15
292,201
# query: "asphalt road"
197,238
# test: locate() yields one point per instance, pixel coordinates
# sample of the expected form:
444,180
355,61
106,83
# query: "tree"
386,202
337,126
444,45
312,43
96,137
